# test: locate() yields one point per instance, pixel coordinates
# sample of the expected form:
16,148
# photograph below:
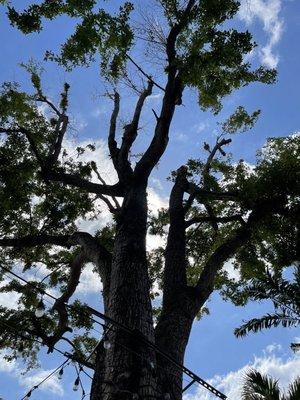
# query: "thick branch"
202,194
205,175
60,304
61,128
175,256
77,181
172,97
226,250
201,220
68,179
44,99
94,251
112,144
38,240
130,133
29,137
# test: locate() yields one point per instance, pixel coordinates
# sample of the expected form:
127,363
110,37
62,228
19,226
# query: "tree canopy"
219,210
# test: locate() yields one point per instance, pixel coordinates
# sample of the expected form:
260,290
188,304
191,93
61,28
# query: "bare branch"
112,144
205,174
172,97
55,149
130,130
149,78
218,147
44,99
112,208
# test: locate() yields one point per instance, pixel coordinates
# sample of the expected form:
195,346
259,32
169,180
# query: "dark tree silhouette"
217,209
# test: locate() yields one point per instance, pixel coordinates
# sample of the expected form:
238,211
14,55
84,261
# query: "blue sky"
213,352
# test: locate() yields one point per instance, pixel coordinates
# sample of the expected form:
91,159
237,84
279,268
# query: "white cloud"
270,363
181,137
10,299
89,281
154,97
28,381
268,13
233,273
52,384
7,366
202,126
99,111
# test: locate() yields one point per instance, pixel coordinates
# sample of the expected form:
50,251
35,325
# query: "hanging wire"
147,342
45,379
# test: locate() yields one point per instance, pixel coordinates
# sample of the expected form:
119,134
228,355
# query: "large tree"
218,210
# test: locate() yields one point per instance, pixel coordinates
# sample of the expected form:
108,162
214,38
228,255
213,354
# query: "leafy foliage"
285,296
97,31
209,58
274,242
261,387
240,121
205,56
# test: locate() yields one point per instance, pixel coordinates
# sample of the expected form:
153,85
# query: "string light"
76,384
28,395
106,342
20,350
151,363
60,374
107,345
40,310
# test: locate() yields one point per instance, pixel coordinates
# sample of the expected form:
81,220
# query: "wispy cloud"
271,362
268,13
29,381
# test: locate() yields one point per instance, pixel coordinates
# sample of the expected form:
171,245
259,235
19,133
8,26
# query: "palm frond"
295,347
266,322
260,387
294,390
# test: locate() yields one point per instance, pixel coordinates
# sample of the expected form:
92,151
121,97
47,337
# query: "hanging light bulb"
106,344
76,384
151,363
60,374
27,396
40,310
20,350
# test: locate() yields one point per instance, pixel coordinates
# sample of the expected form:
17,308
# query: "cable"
104,317
44,380
22,336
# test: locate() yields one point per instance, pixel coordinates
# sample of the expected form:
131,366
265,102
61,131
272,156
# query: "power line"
110,320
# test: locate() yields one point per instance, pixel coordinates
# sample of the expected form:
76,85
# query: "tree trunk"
128,362
171,335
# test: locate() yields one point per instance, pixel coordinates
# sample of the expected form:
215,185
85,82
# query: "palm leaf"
294,390
260,387
266,322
